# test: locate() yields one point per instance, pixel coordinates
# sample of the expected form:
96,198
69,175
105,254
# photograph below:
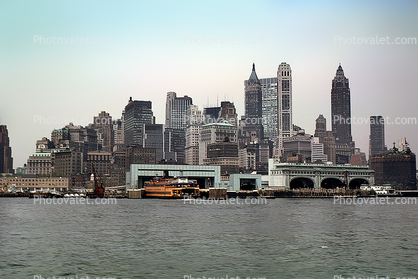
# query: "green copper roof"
219,124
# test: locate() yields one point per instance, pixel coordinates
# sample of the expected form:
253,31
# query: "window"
286,102
285,85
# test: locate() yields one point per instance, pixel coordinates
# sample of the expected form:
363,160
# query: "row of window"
322,173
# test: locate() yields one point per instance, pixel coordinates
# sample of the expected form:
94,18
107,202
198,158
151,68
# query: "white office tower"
317,151
284,90
194,120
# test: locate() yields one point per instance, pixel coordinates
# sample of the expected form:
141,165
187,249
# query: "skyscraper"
6,160
377,135
154,138
104,127
326,138
228,113
253,106
269,107
341,117
211,114
137,113
253,96
317,151
213,133
284,106
175,125
194,122
118,133
175,110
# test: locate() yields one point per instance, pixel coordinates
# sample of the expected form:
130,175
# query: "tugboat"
174,188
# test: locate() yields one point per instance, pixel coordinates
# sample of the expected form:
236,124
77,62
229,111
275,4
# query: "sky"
66,61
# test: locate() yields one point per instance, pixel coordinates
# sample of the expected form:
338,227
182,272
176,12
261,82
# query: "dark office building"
136,154
377,136
341,117
224,154
136,114
174,145
154,138
67,163
6,160
211,115
253,106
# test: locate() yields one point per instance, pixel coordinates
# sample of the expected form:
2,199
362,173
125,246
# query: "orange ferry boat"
171,188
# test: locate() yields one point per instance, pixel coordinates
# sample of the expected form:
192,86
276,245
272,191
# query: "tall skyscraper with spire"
284,106
341,117
253,108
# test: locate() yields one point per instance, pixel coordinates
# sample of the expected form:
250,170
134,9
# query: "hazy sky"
106,51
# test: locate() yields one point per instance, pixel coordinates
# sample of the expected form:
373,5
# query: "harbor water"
275,238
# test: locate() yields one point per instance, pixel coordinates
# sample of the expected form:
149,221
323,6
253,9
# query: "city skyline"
204,53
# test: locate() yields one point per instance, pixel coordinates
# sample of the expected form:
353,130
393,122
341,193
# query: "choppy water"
285,238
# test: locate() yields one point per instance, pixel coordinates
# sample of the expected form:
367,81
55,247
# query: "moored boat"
171,188
381,191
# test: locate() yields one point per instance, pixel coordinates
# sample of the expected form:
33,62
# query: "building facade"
83,139
224,154
358,158
103,125
175,111
395,167
317,151
284,108
67,163
39,163
44,145
40,184
175,125
102,162
137,113
154,138
118,133
137,154
269,107
213,133
228,113
377,135
341,117
294,176
326,138
253,107
206,176
299,144
6,160
211,114
194,122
